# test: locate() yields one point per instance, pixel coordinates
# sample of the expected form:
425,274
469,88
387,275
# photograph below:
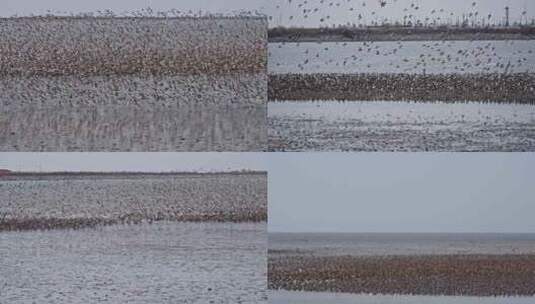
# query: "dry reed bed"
89,46
44,201
509,88
467,275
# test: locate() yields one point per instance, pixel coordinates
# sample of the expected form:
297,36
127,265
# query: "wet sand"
59,201
506,88
466,275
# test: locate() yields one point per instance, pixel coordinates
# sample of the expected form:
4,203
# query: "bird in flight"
382,2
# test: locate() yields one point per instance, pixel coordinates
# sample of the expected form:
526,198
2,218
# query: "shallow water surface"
414,57
400,126
298,297
379,244
158,263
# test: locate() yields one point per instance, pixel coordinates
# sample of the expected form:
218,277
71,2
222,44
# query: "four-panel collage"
255,151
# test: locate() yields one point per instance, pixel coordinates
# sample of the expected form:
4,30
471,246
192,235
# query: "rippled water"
163,262
400,126
297,297
431,57
365,244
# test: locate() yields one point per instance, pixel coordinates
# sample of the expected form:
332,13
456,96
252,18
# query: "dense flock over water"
54,67
45,201
369,75
461,267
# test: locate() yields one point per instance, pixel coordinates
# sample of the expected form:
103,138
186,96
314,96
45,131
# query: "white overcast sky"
401,192
290,12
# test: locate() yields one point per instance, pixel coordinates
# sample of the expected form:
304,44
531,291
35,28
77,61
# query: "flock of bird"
100,45
52,67
148,12
131,60
468,56
47,201
458,275
405,61
369,12
140,90
437,57
147,126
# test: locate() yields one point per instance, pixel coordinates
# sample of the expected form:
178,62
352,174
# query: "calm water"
362,244
432,57
285,297
159,263
400,126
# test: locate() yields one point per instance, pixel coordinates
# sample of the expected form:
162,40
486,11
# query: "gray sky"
26,7
283,10
401,192
149,162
